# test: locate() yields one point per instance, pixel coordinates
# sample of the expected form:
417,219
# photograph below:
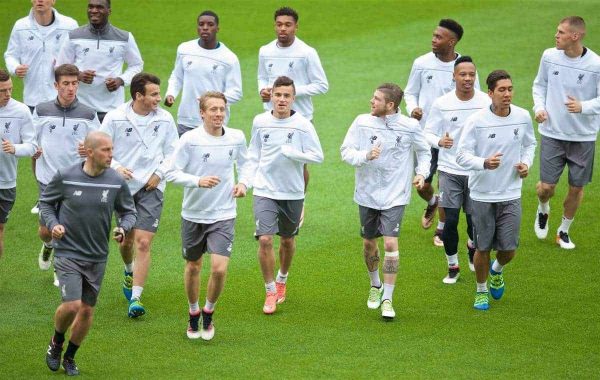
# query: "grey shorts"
497,225
79,279
274,216
454,191
577,155
41,188
376,223
181,129
197,238
149,205
7,200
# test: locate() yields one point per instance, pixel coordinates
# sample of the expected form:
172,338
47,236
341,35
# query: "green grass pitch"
546,326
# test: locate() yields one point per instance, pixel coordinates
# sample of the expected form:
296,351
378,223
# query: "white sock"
452,260
482,287
441,225
136,292
270,287
209,306
282,278
388,290
194,307
432,201
566,223
496,267
129,267
544,208
375,281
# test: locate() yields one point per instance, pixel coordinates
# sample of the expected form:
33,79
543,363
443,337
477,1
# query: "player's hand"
239,190
153,182
522,169
119,234
113,84
492,162
87,76
22,70
81,150
127,174
446,141
374,153
7,146
209,181
265,94
417,113
541,116
573,105
169,100
58,231
419,181
37,153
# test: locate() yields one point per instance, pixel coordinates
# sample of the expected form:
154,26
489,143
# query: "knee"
193,267
452,216
218,271
143,245
85,311
369,245
265,242
546,188
575,191
287,243
72,307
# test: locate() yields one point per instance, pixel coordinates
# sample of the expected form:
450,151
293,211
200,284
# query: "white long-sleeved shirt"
429,79
385,182
198,70
299,62
104,51
277,152
486,134
559,77
142,144
59,130
448,114
37,46
199,154
17,127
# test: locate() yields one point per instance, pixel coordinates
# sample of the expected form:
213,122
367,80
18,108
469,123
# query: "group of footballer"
95,156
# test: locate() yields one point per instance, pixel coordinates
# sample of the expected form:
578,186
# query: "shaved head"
94,139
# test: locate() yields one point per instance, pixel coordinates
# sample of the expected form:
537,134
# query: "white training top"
17,127
385,182
198,70
144,149
278,150
429,79
299,62
559,77
37,46
448,114
486,134
199,154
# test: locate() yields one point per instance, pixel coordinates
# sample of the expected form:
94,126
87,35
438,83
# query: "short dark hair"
65,70
462,59
284,81
211,95
139,82
286,11
496,76
4,75
208,13
391,93
452,26
575,22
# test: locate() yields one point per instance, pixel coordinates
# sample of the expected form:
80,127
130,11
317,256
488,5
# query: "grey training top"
84,206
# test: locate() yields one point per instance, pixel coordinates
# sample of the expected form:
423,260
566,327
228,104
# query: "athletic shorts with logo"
376,223
454,191
577,155
275,216
79,279
199,238
149,205
7,201
497,225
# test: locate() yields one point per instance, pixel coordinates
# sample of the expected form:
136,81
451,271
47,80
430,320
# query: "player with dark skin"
98,12
207,31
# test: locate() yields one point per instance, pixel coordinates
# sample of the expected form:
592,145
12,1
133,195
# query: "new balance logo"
229,247
58,37
205,157
266,137
289,138
269,67
77,193
104,198
372,139
454,119
214,69
397,228
155,224
30,38
492,136
188,64
429,78
555,73
580,78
